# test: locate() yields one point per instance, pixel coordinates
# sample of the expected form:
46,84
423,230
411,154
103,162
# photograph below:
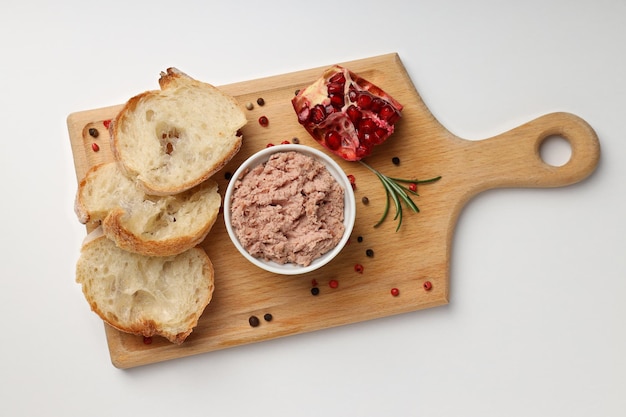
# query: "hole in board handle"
555,150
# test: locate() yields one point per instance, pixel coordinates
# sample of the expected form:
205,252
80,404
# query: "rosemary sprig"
397,192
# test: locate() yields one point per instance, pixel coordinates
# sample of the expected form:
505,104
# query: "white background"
536,320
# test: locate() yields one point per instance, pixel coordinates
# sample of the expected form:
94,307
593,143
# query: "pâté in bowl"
289,209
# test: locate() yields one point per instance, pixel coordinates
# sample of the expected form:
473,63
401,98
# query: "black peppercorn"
395,160
254,321
369,253
260,101
365,200
359,239
315,291
268,317
93,132
228,175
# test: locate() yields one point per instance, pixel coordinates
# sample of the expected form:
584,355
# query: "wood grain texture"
418,252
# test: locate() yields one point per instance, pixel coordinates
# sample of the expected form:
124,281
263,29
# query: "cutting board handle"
513,158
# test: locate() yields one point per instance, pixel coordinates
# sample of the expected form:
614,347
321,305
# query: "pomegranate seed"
386,112
379,135
314,282
364,101
413,187
263,121
352,179
377,105
285,142
335,88
333,283
354,114
106,123
358,268
337,78
367,125
147,340
333,140
95,147
318,114
395,292
337,100
269,145
428,285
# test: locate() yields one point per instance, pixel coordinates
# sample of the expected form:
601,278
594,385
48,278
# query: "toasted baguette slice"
145,295
144,224
173,139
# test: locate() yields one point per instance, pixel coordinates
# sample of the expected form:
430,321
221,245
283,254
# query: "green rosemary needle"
395,191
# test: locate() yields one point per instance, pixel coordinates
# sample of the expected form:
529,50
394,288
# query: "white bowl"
349,208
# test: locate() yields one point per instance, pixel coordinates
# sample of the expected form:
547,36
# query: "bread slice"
145,295
173,139
144,224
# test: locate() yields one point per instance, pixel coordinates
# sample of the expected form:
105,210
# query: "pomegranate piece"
347,114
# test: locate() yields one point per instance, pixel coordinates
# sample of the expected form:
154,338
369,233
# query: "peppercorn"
359,239
267,317
249,106
263,121
228,175
358,268
260,101
93,132
296,92
395,160
365,200
333,283
254,321
315,291
369,253
428,285
295,140
395,292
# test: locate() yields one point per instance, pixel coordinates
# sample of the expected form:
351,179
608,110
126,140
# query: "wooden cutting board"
405,260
